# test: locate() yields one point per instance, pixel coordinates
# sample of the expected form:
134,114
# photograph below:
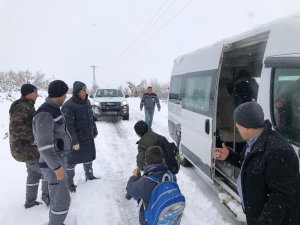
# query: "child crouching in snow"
141,187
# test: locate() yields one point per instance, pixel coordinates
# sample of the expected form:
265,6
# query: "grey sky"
63,38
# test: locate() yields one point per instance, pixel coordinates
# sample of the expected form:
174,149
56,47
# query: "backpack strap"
155,179
168,175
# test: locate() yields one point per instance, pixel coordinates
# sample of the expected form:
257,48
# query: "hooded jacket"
81,125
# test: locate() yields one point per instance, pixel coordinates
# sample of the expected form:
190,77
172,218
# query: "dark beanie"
57,88
141,127
77,87
249,115
27,89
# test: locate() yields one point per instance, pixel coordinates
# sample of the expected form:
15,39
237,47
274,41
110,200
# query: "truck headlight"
124,103
95,103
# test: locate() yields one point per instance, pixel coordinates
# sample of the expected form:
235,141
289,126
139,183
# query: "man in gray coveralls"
54,142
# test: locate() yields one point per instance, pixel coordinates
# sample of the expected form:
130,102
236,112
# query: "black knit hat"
141,127
249,115
57,88
78,86
27,89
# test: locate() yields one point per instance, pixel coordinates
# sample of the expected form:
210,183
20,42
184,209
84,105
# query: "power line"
156,33
155,18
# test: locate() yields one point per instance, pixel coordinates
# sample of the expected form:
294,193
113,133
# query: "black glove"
127,196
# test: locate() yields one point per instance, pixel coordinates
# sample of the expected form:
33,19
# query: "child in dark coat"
139,187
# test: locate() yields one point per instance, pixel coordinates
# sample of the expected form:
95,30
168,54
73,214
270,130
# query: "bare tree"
161,89
12,81
141,88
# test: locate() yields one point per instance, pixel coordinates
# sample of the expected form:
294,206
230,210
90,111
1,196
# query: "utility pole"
94,78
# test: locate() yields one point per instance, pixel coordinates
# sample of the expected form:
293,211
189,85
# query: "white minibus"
208,84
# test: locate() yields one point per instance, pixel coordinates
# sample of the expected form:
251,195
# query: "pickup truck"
110,103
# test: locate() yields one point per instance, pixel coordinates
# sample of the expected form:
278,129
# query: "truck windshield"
286,103
109,93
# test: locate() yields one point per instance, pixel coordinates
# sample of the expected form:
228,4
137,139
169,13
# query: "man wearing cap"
54,142
148,102
22,144
82,127
268,184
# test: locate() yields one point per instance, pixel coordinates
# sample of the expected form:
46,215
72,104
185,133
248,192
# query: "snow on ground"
99,202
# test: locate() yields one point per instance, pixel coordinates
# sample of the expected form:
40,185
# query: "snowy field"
102,202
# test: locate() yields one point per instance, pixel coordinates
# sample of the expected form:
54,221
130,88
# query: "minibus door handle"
207,126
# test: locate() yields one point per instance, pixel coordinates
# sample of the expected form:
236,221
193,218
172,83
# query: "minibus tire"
185,163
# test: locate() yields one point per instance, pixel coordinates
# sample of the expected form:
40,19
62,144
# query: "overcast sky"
128,40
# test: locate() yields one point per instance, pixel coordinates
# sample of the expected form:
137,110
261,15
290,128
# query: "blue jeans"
149,116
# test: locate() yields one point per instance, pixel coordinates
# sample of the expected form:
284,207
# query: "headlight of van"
98,104
124,103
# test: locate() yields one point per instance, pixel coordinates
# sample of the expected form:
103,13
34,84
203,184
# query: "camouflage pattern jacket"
20,130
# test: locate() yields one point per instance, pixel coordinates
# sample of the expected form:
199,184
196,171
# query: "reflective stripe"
71,168
44,180
31,185
45,147
87,163
58,118
59,213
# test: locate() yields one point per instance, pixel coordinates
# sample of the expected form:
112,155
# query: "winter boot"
72,187
31,204
92,178
46,199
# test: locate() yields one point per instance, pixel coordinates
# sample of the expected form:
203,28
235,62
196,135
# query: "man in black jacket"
82,127
268,184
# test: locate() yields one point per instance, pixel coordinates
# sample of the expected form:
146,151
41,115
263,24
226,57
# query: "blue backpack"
166,203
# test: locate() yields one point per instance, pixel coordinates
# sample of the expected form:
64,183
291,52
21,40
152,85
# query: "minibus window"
286,102
198,94
175,90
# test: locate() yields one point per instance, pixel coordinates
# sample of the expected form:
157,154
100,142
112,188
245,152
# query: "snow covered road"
103,201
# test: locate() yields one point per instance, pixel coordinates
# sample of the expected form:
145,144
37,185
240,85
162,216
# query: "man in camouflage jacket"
22,143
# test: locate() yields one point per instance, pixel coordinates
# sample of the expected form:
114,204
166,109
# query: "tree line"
12,81
137,90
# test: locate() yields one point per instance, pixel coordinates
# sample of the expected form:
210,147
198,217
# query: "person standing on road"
54,142
268,184
22,144
148,102
82,127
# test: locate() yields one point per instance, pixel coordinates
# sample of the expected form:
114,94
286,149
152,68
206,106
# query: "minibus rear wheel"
185,163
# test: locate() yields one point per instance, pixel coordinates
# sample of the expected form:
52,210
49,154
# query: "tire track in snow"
119,161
